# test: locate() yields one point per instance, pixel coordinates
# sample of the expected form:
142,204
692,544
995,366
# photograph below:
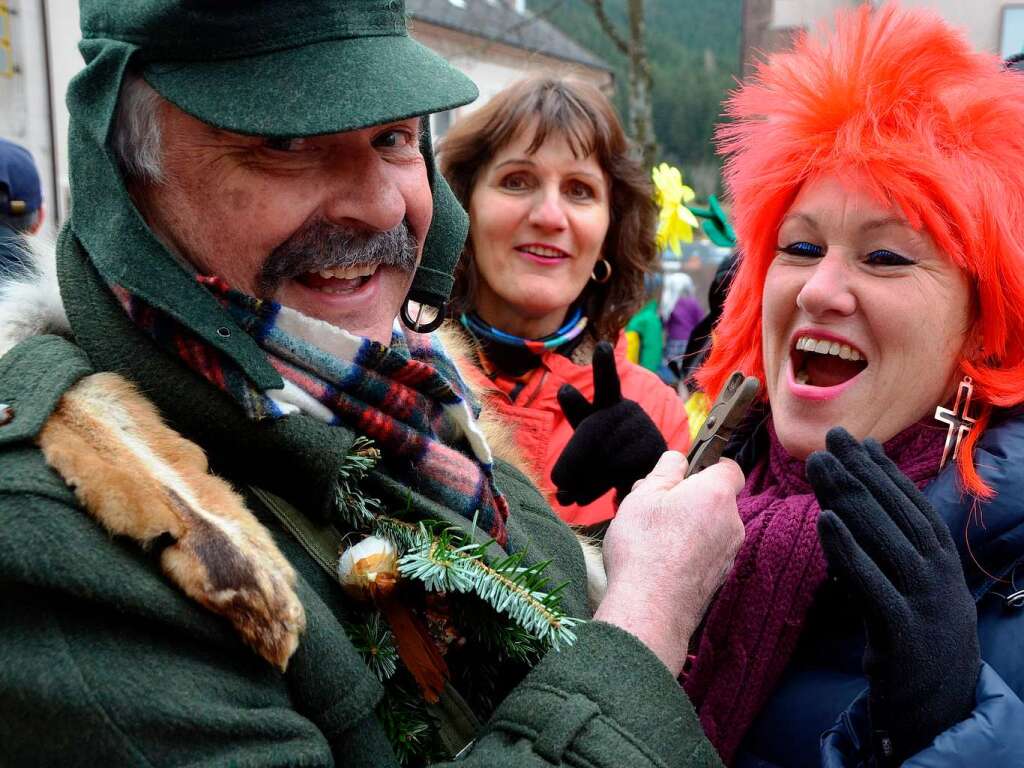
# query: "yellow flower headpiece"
676,222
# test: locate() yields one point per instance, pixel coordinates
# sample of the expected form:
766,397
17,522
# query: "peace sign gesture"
615,443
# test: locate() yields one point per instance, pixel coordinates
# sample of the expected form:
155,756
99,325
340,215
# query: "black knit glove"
615,443
894,552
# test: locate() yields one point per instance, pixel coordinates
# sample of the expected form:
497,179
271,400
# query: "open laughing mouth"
824,363
339,280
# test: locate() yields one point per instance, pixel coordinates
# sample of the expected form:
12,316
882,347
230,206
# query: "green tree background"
694,49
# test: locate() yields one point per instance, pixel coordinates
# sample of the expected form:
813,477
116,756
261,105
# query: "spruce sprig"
375,643
444,558
404,536
354,508
410,729
443,563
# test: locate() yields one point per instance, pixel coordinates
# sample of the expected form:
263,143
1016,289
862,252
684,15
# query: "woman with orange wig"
873,617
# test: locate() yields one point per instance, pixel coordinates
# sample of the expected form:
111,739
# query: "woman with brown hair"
561,235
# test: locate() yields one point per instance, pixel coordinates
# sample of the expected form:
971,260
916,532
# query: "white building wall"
980,19
24,94
35,92
494,66
65,63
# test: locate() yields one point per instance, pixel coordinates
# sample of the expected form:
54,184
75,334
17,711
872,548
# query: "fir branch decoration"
444,564
496,636
376,644
353,507
403,535
410,729
498,620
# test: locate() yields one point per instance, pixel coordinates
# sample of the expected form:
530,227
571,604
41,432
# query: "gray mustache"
322,246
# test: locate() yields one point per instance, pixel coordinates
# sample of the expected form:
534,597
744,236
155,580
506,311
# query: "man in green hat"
246,516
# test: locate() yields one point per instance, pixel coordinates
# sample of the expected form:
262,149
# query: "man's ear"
40,218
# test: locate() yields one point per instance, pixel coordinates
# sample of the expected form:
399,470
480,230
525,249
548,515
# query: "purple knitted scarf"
753,625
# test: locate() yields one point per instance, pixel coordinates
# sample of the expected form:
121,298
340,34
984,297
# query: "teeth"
823,347
550,253
348,273
801,377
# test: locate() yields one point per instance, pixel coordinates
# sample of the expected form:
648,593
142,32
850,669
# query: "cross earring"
959,421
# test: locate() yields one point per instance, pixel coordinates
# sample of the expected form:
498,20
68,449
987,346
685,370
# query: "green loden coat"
104,661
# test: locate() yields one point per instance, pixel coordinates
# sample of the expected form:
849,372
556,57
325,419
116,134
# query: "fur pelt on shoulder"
141,479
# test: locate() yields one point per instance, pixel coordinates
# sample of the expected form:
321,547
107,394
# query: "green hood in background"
260,67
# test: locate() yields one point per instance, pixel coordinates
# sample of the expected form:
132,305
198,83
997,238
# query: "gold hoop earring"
607,272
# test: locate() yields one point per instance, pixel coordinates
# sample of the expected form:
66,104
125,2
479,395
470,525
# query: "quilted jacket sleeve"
991,736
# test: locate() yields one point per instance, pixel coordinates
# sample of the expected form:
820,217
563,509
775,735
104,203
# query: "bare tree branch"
608,26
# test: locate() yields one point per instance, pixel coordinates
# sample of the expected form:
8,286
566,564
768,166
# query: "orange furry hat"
897,99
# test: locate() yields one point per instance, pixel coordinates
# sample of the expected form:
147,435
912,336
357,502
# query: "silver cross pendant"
959,422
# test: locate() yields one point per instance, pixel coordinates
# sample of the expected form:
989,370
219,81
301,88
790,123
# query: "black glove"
895,554
615,443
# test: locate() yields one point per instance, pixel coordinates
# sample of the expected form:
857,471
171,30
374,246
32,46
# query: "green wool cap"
277,68
259,67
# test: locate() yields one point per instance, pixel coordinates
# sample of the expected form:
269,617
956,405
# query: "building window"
1011,37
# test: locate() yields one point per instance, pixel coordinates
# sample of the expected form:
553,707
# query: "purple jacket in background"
686,314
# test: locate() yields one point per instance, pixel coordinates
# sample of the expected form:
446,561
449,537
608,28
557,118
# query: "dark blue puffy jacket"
817,714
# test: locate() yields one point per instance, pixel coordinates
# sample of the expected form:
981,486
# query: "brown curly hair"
587,120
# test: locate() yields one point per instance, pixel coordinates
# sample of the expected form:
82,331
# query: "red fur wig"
895,99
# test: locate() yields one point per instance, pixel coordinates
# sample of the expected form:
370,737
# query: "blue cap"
20,191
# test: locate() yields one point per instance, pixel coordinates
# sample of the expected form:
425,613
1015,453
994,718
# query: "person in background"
21,206
645,334
874,615
561,237
681,312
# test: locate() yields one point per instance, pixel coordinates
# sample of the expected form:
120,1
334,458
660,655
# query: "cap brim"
326,87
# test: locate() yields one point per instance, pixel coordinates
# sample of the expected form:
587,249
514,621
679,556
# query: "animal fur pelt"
142,480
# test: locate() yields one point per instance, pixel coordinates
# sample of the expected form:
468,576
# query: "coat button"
6,414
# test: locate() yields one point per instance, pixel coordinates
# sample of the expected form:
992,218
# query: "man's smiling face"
332,226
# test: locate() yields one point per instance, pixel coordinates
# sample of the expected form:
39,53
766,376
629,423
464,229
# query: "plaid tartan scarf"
408,397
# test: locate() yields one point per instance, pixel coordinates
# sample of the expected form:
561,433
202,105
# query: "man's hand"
615,442
668,550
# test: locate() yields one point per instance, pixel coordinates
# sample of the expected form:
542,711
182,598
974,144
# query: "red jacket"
542,431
